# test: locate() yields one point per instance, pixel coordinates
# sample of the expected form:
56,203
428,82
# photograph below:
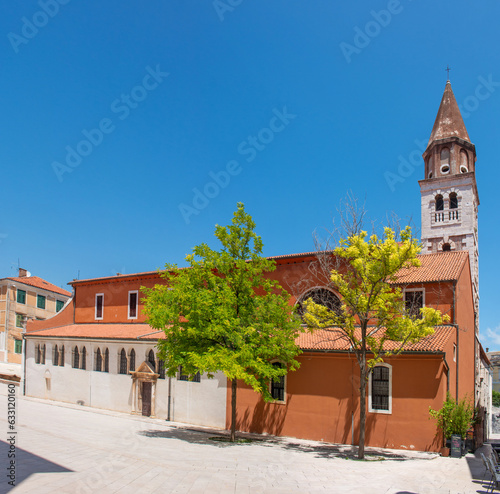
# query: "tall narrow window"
414,301
185,377
59,305
151,359
445,161
106,360
453,200
278,386
98,361
21,296
464,161
131,363
161,369
380,399
123,361
55,356
99,305
42,359
132,304
61,356
40,301
439,202
84,358
38,354
76,358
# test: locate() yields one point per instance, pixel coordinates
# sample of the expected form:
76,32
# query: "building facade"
24,298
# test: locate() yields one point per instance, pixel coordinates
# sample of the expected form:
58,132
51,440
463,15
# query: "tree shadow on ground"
327,450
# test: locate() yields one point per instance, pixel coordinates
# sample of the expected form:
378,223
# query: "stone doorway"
144,390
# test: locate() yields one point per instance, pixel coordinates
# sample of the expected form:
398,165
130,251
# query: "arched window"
131,364
464,161
61,356
106,360
445,156
446,247
55,356
98,361
380,389
439,202
453,200
84,358
151,359
321,296
76,358
123,361
42,359
278,387
38,354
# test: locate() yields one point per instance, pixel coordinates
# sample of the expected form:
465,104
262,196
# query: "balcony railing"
446,216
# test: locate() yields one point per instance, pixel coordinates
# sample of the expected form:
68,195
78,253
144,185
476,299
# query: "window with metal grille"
151,359
106,360
132,305
18,346
98,360
59,305
161,369
21,296
414,301
453,201
76,358
185,377
99,305
123,361
380,388
55,356
84,358
278,386
439,202
131,363
40,301
321,296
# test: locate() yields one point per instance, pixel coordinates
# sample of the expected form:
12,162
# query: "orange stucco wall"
115,309
322,403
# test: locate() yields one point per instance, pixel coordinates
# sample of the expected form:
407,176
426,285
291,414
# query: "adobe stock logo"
363,37
122,107
31,27
250,148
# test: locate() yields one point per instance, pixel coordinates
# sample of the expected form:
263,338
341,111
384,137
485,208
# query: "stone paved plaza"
70,449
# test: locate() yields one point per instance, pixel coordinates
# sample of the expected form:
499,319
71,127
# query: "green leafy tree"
373,311
495,398
223,313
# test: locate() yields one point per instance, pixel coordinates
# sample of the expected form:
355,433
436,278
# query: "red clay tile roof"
442,266
101,331
38,282
334,340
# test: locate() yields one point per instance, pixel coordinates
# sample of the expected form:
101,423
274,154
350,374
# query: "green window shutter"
59,305
21,296
40,301
19,320
18,346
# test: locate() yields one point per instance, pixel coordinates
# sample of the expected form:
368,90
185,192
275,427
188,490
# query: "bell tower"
449,192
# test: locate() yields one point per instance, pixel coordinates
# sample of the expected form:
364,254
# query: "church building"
100,352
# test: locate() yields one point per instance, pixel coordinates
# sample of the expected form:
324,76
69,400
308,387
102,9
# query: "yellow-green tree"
373,310
223,314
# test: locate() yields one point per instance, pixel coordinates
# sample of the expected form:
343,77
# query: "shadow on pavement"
213,438
26,464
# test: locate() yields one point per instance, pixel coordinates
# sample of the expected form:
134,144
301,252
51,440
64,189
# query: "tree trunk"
362,414
233,410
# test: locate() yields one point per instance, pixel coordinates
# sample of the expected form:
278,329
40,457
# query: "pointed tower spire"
449,122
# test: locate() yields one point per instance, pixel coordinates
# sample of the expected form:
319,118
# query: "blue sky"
191,106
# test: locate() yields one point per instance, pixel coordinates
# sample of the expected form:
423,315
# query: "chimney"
487,349
23,273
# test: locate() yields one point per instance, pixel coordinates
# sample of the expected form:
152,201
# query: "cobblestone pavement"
70,449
